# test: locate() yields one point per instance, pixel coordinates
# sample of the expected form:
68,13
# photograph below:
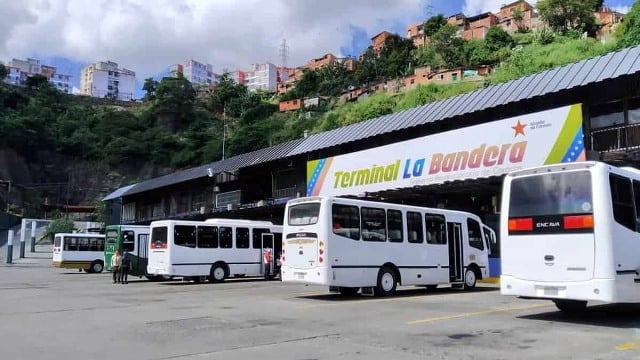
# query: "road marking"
476,313
627,346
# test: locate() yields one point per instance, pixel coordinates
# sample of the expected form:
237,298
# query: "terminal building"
452,153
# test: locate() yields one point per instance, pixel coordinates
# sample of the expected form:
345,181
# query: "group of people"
120,266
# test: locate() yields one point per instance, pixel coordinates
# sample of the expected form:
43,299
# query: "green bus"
135,240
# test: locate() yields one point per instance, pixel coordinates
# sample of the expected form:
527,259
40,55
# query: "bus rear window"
304,214
158,238
551,194
112,236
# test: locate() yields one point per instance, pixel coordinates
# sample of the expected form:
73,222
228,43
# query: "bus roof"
80,234
346,200
224,221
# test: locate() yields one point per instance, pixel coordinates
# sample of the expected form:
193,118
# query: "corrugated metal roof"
236,162
597,69
118,193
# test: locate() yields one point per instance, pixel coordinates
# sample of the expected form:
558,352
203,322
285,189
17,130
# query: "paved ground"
49,313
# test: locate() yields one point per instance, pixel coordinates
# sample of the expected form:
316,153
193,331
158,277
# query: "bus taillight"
522,224
320,259
578,222
321,251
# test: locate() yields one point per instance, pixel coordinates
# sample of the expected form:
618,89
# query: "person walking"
116,261
125,266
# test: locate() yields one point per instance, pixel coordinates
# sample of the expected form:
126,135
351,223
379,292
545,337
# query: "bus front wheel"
571,306
470,279
96,267
387,282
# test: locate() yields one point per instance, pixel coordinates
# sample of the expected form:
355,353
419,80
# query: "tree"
449,45
518,17
149,86
496,38
58,226
226,90
3,72
566,15
36,81
432,25
395,58
628,32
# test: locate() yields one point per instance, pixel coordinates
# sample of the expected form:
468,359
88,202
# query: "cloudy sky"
148,35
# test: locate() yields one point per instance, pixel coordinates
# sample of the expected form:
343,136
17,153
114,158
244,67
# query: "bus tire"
387,282
470,278
348,291
218,273
571,306
96,267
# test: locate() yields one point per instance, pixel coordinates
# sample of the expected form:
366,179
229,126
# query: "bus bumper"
594,289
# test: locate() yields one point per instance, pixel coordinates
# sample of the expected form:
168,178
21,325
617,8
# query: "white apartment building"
105,80
196,72
262,77
19,70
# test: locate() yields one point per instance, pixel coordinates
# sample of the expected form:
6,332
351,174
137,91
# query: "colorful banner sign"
495,148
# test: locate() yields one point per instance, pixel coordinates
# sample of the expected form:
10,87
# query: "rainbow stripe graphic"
569,146
316,172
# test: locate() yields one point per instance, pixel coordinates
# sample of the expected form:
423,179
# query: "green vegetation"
58,226
175,127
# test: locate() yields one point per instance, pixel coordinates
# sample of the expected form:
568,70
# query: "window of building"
454,77
607,115
634,111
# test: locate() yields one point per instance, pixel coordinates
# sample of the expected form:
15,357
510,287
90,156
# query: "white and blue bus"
354,244
570,233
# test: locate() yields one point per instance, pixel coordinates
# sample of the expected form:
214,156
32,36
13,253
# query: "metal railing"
618,138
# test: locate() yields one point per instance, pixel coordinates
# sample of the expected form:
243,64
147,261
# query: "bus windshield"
551,194
304,214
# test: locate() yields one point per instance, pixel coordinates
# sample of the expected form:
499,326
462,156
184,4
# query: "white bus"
79,251
570,233
213,249
349,244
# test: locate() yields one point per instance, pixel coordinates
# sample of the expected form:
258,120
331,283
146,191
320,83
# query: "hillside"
64,150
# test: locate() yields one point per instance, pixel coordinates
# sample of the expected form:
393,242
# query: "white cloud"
148,35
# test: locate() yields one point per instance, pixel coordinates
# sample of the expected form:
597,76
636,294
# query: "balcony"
617,138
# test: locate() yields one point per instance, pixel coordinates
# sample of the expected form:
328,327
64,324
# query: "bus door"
454,231
143,255
267,243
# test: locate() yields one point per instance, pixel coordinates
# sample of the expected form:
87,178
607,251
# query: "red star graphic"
519,128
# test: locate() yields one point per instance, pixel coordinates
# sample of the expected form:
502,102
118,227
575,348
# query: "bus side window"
128,243
226,240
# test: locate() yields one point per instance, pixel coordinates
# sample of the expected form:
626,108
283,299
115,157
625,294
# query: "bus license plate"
551,291
299,275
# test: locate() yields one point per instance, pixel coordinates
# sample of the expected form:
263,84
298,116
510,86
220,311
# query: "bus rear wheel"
387,282
96,267
571,306
218,273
